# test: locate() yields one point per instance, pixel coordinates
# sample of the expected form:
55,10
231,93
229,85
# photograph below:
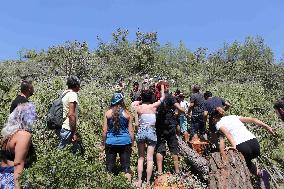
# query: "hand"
271,131
74,138
231,148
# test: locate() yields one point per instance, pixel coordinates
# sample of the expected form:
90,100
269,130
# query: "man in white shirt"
68,133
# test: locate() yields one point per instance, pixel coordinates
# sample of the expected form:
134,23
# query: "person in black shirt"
211,103
166,129
27,90
196,109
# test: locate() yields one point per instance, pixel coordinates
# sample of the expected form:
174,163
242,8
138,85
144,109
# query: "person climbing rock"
211,103
239,136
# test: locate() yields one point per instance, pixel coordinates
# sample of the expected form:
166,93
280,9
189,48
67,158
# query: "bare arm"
130,129
191,105
228,135
258,123
104,130
72,116
179,108
21,150
158,103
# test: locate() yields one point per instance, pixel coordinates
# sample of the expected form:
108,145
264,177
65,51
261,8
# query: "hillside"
243,73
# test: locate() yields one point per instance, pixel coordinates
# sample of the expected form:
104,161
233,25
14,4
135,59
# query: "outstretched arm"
258,123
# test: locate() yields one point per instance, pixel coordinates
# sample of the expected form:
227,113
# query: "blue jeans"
197,124
66,138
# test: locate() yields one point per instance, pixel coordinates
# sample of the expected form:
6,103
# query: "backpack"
54,117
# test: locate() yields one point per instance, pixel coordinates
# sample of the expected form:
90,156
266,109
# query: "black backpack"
54,117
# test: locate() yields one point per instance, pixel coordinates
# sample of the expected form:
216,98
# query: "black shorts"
250,150
124,152
171,140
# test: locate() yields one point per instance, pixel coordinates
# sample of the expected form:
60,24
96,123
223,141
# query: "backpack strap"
64,94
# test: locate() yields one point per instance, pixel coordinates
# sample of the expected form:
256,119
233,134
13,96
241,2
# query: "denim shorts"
183,123
147,134
7,177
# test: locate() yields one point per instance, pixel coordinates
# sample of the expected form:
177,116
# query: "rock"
168,181
229,174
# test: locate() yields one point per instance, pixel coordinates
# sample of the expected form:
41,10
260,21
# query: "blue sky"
38,24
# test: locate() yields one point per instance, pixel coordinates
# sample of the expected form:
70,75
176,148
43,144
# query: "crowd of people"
162,115
159,116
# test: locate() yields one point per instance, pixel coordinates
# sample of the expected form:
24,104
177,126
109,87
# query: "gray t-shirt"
198,100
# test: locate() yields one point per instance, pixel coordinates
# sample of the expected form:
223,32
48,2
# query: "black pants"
124,152
250,150
168,135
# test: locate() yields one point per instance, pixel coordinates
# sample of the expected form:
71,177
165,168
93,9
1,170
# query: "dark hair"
218,113
207,94
135,83
25,86
73,82
115,114
147,96
177,92
279,104
196,88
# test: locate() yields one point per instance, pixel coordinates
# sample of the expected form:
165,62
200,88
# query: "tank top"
121,136
147,120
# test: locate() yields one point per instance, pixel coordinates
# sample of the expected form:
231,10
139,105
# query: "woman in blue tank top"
118,135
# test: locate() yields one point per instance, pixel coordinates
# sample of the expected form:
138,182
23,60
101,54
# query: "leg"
186,136
124,154
141,154
201,126
176,163
150,162
194,128
65,138
160,159
110,158
161,150
184,128
250,150
174,149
